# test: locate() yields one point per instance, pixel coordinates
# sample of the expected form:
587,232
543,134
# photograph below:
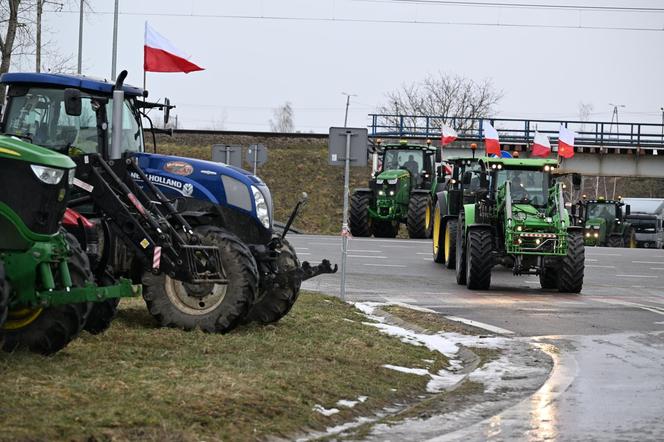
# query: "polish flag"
159,55
541,145
448,136
566,142
491,141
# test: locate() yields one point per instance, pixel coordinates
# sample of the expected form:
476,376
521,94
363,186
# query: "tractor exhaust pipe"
116,128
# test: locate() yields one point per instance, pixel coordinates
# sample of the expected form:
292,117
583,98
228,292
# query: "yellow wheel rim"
427,216
448,242
436,229
20,318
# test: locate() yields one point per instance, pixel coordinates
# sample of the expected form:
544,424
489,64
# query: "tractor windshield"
608,211
411,160
528,186
39,115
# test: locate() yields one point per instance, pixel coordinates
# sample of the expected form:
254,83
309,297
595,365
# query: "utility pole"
115,40
614,116
80,39
347,105
40,8
662,109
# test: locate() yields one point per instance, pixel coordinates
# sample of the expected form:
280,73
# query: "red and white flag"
491,141
448,136
566,142
541,145
159,55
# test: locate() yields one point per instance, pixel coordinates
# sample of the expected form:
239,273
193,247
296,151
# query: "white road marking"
656,268
648,262
302,254
602,254
603,267
591,260
638,276
489,327
301,248
658,310
367,256
422,253
384,265
365,251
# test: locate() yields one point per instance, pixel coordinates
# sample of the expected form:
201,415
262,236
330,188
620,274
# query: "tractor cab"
416,159
529,180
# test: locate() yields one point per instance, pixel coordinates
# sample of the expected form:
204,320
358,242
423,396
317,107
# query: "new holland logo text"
184,189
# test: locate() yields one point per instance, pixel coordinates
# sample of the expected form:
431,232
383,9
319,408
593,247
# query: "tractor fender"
361,190
469,215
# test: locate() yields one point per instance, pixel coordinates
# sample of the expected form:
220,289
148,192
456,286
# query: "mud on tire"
479,260
570,276
419,216
210,307
360,222
53,327
275,303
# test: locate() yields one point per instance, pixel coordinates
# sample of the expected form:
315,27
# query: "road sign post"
347,145
256,155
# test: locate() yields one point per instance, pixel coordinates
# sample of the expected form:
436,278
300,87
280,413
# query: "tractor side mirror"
627,210
573,210
467,177
167,110
576,181
72,102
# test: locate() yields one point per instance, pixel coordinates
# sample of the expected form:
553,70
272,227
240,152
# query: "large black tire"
449,243
101,315
52,328
479,260
274,304
438,237
210,307
4,295
570,276
549,278
461,252
419,216
360,221
385,229
616,241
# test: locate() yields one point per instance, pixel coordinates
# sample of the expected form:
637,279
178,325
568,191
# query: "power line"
381,21
522,5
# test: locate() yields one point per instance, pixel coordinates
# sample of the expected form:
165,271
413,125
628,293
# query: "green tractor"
402,190
459,189
46,288
520,222
604,223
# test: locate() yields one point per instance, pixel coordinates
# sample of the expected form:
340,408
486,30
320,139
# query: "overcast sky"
258,54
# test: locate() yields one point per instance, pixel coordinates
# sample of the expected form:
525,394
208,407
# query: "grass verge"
137,381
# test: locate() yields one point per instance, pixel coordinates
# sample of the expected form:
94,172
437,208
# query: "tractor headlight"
381,193
48,175
262,211
596,235
587,234
549,219
394,181
519,228
391,192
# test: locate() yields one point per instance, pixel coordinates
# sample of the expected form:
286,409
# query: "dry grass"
139,382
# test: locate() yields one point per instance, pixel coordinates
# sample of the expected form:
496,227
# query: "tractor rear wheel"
360,222
102,313
385,229
276,302
461,252
479,259
570,276
616,241
49,330
210,307
4,295
549,278
450,243
438,239
419,216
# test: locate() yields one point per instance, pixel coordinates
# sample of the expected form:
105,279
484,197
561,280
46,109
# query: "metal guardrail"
519,131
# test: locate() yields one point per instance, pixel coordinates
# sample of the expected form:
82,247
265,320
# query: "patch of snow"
348,320
438,342
362,398
417,371
346,403
325,411
428,361
443,381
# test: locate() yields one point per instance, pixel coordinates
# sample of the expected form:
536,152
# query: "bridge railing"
519,131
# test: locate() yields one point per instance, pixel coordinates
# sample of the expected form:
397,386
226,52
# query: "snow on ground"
417,371
350,404
325,411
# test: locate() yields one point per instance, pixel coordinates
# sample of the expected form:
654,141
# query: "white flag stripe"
566,136
489,131
542,140
448,131
155,40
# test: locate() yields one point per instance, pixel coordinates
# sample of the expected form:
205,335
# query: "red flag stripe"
492,146
158,60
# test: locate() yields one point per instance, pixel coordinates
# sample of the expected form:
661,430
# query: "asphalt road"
608,383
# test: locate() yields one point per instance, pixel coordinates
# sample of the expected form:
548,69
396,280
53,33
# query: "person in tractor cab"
518,191
412,165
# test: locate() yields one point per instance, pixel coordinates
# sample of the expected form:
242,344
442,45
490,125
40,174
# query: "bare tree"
444,96
283,119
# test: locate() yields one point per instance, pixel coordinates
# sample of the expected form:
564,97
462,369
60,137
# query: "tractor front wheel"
461,251
479,259
449,243
419,216
438,240
102,313
276,302
210,307
549,278
570,276
4,295
49,330
360,222
385,229
616,241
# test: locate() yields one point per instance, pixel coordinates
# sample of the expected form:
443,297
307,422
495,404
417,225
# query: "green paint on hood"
393,174
16,149
526,208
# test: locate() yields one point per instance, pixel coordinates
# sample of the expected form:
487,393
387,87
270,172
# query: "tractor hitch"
307,271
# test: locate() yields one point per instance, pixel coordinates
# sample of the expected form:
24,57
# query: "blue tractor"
197,234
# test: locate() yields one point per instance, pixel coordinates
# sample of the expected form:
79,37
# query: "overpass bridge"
601,148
